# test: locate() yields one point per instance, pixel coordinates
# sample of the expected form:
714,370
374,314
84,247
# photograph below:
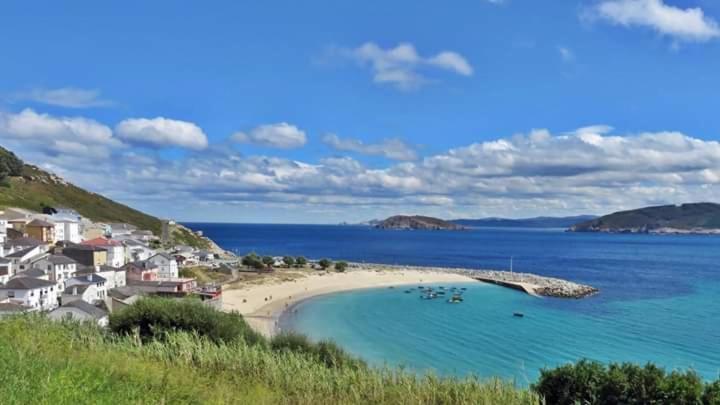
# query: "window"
11,294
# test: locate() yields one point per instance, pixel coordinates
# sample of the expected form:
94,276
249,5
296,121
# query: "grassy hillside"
35,189
685,217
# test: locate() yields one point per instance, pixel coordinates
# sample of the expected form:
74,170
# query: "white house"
3,233
89,279
114,277
80,292
67,229
40,295
21,258
80,311
137,251
59,267
119,230
168,267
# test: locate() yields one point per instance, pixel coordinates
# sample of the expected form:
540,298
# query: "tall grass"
45,362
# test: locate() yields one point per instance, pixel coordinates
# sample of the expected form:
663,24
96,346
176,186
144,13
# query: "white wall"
34,299
63,313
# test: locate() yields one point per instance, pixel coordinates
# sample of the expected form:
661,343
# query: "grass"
45,362
204,274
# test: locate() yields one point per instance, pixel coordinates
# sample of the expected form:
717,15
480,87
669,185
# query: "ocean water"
659,299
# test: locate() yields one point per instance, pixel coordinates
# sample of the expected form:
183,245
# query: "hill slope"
417,222
685,218
537,222
35,189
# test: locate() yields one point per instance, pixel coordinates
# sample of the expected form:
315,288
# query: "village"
70,267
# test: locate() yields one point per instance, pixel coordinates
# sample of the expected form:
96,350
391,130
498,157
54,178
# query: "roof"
89,309
32,273
4,261
20,253
23,242
74,246
60,259
102,242
12,307
93,278
80,288
26,283
41,223
163,255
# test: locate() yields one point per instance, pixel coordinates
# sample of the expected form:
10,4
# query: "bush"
341,266
154,318
253,261
589,382
289,261
328,353
300,261
325,263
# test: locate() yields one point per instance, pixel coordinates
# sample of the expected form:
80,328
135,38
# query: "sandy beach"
262,304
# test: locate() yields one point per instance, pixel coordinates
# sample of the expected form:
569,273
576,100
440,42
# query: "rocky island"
696,218
417,222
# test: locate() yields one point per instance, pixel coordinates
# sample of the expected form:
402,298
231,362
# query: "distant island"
536,222
417,222
696,218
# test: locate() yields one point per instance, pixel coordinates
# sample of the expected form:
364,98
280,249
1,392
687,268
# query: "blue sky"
328,111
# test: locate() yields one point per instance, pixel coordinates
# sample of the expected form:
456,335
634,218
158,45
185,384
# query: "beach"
262,304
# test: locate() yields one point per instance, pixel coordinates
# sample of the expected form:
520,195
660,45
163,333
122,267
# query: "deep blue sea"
659,299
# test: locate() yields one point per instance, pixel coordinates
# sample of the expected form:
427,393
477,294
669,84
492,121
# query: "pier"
534,285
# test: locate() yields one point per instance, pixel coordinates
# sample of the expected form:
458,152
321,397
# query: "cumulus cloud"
281,135
402,66
392,148
690,24
69,97
75,136
162,132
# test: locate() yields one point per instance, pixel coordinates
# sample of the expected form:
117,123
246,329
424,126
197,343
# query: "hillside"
685,218
35,189
417,222
536,222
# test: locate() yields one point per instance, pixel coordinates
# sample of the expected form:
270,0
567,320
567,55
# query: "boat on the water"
456,299
518,314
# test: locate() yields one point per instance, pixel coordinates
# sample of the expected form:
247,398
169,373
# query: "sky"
345,111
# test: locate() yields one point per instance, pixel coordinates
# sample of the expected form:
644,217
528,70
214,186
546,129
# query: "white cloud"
162,132
566,53
402,66
29,130
689,24
392,148
69,97
281,135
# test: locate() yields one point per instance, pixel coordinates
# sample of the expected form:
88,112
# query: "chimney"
89,277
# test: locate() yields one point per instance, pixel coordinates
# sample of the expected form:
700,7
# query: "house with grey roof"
168,266
94,279
59,267
35,293
80,311
8,308
80,292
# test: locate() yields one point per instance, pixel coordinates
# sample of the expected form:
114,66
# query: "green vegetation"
183,236
300,261
590,382
204,274
153,319
10,165
685,217
341,266
268,261
325,263
253,261
289,261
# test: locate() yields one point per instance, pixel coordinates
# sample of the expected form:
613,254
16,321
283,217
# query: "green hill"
697,217
27,186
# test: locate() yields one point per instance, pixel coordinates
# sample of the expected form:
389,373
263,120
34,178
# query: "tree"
289,261
325,263
10,165
300,261
341,267
268,261
253,261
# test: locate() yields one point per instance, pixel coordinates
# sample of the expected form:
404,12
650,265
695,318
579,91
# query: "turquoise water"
659,298
481,336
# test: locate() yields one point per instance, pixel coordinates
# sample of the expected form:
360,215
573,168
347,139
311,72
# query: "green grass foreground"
42,362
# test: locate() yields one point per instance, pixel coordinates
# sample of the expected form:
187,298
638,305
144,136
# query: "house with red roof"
116,256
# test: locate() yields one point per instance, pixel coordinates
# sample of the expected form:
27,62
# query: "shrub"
341,266
589,382
325,263
154,318
328,353
268,261
300,261
289,261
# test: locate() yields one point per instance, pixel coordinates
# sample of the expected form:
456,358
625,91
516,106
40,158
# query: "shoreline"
263,305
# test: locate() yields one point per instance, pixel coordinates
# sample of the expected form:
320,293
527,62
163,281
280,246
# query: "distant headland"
696,218
417,222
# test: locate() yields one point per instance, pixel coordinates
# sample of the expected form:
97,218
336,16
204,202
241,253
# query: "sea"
659,298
